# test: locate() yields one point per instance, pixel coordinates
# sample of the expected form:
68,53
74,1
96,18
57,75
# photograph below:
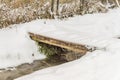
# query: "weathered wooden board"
78,48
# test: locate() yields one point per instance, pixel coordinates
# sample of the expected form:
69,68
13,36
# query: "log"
77,48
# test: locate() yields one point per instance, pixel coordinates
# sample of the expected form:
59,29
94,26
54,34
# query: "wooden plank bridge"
79,48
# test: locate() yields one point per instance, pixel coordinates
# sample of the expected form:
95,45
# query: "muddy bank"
26,68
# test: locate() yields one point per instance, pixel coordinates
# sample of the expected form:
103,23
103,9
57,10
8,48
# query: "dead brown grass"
21,3
21,11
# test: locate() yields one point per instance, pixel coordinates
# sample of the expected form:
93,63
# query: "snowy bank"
99,65
16,47
99,30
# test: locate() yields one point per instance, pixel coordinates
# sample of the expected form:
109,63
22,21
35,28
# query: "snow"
95,30
16,47
99,30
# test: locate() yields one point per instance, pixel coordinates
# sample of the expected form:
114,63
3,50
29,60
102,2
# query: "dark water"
26,68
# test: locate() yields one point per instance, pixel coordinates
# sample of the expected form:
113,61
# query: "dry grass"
20,11
20,3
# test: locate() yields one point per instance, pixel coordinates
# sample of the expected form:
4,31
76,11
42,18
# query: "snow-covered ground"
99,30
17,48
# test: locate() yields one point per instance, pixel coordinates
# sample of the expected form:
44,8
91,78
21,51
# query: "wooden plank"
78,48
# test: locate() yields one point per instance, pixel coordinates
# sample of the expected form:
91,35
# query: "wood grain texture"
78,48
